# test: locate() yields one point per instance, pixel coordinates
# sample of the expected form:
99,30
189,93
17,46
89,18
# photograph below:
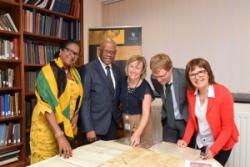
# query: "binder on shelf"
2,133
10,160
15,49
10,133
8,48
7,23
9,152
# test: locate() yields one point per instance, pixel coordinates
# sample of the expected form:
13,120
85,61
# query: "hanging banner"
128,40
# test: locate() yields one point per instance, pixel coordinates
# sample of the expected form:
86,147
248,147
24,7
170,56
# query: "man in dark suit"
170,83
99,115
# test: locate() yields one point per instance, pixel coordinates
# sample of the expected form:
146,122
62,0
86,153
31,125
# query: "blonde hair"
160,61
139,59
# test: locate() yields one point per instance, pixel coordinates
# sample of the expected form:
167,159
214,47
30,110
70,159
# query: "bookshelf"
39,29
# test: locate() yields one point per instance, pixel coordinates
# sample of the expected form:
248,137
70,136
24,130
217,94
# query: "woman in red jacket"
211,113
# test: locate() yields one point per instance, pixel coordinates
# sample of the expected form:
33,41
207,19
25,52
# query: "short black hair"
68,42
64,45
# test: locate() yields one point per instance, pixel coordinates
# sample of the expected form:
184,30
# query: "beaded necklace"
132,90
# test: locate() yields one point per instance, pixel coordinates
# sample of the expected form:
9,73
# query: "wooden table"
183,153
114,154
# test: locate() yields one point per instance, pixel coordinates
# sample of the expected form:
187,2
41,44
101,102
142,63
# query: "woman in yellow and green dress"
59,95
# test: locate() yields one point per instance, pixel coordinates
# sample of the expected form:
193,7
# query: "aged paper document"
140,157
96,153
188,157
114,154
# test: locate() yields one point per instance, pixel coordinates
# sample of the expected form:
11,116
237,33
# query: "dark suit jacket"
180,88
100,103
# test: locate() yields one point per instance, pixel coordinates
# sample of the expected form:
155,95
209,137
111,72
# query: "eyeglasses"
199,74
71,51
112,52
160,76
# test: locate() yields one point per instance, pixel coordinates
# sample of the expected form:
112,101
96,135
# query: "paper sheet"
95,154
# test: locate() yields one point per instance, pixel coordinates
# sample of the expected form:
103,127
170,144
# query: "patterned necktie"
109,78
169,107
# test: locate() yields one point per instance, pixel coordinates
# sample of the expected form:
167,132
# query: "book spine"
10,22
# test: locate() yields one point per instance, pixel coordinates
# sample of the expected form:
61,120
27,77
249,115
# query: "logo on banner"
133,36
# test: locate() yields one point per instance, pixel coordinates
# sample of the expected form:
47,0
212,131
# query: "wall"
92,18
185,29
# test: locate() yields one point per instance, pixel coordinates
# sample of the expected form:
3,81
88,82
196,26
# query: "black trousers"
223,156
112,132
110,135
174,134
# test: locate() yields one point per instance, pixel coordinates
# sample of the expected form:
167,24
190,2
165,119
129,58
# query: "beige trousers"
146,136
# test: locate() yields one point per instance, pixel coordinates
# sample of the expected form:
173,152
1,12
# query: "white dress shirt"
204,137
105,70
177,113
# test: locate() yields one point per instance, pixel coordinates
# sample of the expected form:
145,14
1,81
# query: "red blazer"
220,117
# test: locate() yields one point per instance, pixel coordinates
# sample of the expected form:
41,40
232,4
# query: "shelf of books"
31,32
11,113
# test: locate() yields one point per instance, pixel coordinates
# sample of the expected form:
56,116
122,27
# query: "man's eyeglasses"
160,76
71,51
112,52
199,74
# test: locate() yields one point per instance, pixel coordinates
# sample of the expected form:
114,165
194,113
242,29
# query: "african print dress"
55,93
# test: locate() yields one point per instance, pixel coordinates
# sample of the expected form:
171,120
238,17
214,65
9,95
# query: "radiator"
240,156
